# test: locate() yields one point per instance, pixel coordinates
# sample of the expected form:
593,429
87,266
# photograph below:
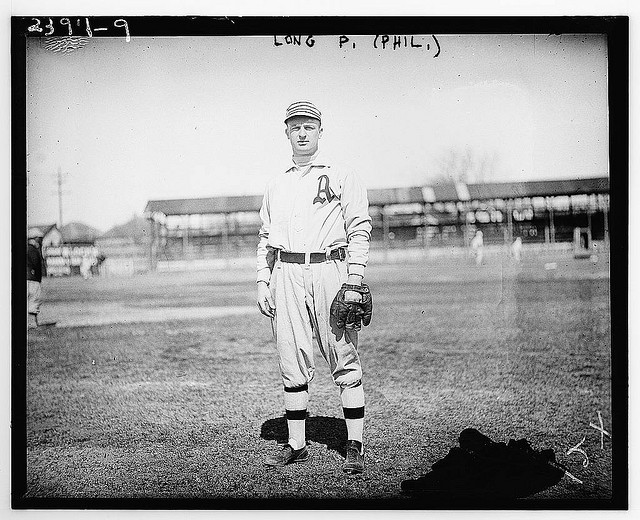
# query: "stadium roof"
514,190
395,196
205,206
45,228
445,192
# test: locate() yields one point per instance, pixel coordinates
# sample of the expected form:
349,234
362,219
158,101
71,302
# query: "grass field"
188,406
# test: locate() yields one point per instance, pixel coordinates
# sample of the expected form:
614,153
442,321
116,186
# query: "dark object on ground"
330,431
490,469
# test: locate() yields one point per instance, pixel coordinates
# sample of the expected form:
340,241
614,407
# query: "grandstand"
439,215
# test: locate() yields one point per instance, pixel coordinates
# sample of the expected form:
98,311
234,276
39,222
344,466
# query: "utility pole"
59,197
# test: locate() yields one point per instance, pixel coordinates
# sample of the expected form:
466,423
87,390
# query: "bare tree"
464,165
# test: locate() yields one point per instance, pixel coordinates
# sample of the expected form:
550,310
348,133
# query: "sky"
163,118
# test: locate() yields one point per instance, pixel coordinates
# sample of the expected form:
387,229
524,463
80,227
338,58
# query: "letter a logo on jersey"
323,187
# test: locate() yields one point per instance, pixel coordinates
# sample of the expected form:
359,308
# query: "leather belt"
314,258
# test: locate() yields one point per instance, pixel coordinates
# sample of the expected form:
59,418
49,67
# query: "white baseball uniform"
315,208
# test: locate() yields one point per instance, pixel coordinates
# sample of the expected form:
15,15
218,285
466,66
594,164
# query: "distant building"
79,233
51,233
64,257
125,248
439,215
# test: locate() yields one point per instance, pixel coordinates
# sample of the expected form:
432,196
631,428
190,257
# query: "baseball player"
35,270
477,247
516,250
312,253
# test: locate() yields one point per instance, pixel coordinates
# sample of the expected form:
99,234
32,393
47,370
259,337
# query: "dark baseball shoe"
287,455
354,462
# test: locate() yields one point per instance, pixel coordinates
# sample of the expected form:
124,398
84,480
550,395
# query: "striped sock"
353,408
295,405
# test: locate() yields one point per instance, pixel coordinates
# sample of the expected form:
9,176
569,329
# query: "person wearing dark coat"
35,270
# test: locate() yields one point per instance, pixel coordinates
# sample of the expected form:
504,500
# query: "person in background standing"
477,247
35,270
516,250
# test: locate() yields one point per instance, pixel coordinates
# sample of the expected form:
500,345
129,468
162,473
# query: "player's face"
304,134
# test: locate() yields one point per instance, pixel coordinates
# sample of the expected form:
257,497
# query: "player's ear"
286,131
320,133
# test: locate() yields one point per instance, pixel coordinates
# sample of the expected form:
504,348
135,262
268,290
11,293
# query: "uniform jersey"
315,208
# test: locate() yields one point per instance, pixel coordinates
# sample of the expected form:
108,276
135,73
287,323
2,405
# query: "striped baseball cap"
302,108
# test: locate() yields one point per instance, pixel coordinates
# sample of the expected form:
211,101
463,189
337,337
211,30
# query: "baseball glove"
348,314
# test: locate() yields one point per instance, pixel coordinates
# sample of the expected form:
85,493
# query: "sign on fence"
68,260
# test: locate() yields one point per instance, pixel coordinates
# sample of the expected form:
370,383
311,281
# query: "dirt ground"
167,385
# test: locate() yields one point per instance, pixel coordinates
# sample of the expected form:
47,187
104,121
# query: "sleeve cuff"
356,269
264,275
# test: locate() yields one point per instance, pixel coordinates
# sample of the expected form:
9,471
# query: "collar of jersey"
315,163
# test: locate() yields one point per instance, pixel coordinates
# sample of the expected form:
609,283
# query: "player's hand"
265,300
352,296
